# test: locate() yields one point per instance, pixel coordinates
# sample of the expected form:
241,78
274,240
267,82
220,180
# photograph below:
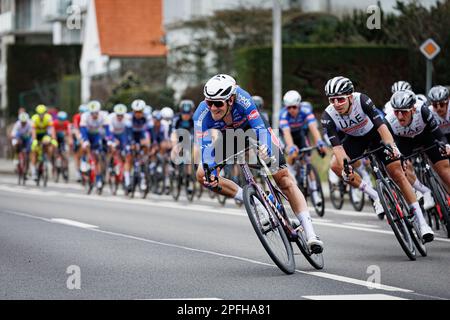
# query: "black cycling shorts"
425,139
356,146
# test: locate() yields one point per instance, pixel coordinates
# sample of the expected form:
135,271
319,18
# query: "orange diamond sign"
430,49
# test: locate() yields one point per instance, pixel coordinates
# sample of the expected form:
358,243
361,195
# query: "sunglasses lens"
217,104
291,107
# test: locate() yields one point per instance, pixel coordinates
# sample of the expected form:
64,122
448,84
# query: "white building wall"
92,61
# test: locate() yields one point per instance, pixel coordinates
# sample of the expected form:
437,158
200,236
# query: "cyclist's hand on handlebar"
348,175
292,150
447,150
263,152
321,148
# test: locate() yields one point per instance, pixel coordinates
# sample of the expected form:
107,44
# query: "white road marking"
311,273
74,223
367,284
353,224
354,297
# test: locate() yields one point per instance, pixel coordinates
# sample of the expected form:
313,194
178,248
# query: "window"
5,6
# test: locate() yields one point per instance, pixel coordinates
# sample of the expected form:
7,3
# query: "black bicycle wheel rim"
413,227
336,195
398,225
287,266
357,205
320,210
441,197
315,259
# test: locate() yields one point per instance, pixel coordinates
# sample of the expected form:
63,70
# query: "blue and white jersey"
304,117
117,127
91,126
138,124
21,131
245,115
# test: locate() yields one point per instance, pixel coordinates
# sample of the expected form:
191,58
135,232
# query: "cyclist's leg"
355,147
395,171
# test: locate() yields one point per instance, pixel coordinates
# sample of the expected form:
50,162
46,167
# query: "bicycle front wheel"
398,225
269,231
442,203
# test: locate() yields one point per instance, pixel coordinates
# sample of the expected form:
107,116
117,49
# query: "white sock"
126,176
306,221
33,170
239,195
418,212
369,190
420,187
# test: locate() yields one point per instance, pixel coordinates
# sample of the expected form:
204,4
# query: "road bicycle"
268,214
23,163
303,169
116,172
399,216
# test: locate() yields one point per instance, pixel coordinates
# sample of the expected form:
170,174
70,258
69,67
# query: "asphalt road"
58,243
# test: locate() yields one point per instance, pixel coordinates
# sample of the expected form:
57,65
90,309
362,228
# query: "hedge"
306,68
31,67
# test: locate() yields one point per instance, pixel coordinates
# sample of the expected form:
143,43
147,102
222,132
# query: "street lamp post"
276,62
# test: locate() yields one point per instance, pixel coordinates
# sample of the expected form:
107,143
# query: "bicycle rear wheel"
398,225
269,231
336,194
315,259
318,207
358,204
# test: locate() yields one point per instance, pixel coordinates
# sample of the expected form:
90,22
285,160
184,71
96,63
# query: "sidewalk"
6,166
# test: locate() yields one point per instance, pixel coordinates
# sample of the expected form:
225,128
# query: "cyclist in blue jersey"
296,119
226,108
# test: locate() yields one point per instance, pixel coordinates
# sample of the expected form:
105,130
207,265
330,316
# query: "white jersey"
357,123
117,127
443,123
94,126
416,127
388,108
19,130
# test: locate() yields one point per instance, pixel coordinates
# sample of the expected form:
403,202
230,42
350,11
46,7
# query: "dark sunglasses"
441,104
216,103
403,112
291,107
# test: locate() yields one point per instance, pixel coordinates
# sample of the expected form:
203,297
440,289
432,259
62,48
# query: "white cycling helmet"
24,117
138,105
167,113
220,87
400,85
94,106
120,109
148,110
292,98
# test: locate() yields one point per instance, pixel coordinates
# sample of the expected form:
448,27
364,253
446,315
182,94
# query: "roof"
130,28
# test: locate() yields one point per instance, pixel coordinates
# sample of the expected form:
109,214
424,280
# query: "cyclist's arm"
313,128
432,125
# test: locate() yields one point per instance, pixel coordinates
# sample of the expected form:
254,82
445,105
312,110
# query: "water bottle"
271,198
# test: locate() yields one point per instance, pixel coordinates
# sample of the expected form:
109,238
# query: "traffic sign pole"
429,75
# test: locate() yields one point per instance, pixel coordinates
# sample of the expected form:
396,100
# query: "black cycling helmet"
400,85
339,86
403,100
438,94
186,106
